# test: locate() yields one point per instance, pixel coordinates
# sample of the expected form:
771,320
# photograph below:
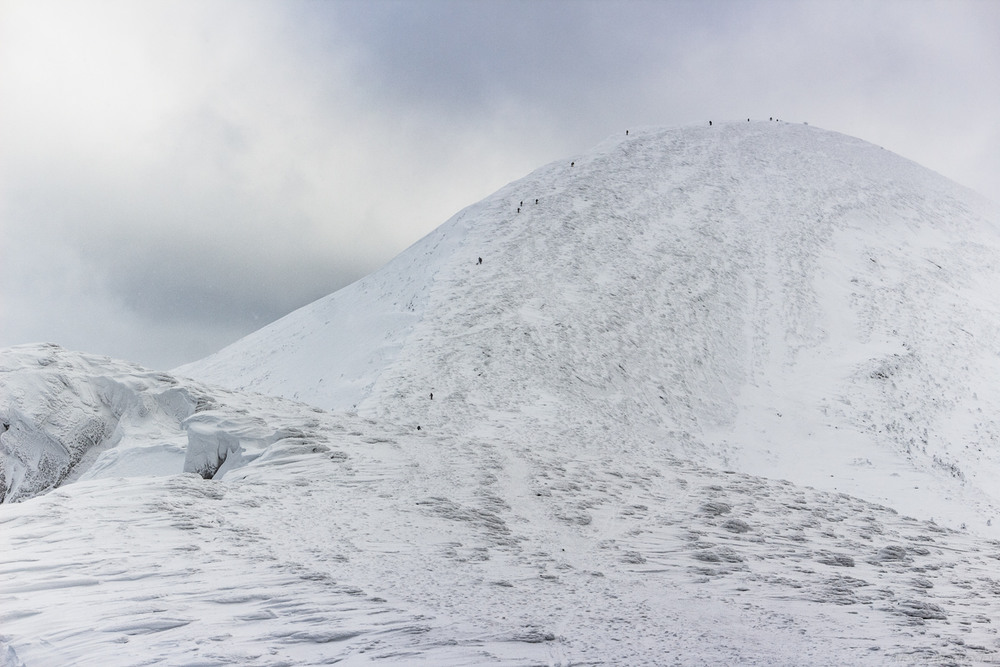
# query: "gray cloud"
177,174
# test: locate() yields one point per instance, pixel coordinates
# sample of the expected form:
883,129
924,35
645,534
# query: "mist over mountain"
710,395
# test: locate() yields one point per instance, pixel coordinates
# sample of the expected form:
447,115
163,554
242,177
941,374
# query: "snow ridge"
68,416
60,410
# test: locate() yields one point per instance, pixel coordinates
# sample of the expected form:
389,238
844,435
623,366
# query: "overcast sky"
174,175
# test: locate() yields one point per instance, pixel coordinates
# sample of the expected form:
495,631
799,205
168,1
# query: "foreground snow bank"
67,416
384,544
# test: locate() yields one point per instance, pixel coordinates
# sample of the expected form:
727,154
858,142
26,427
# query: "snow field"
398,546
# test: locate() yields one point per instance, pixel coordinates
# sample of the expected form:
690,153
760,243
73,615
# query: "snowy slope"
659,406
773,298
367,541
363,541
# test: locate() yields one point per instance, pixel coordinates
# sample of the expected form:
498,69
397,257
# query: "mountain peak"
743,294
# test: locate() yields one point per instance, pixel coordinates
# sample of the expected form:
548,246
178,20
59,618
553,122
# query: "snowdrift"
67,416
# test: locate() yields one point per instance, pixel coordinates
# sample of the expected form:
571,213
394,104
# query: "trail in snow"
385,544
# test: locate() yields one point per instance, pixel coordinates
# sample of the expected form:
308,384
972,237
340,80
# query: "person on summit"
480,260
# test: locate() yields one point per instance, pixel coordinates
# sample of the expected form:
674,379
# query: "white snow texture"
700,396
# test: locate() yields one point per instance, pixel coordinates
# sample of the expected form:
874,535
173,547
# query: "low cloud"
177,174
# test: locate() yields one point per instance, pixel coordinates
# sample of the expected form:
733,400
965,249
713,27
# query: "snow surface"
722,396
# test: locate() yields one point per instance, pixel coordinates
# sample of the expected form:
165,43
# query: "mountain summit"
768,297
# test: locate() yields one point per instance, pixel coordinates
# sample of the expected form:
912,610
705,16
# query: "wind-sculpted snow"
60,410
68,416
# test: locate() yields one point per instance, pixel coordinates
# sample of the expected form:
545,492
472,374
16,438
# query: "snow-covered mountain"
711,395
767,297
